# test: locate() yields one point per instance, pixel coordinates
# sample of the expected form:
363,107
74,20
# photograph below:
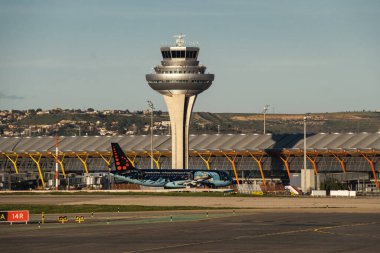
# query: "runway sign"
14,216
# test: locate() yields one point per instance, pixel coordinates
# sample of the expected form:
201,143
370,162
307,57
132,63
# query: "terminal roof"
197,143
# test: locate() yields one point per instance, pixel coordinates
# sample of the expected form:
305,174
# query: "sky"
298,56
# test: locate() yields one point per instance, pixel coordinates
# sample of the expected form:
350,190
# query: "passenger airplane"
167,178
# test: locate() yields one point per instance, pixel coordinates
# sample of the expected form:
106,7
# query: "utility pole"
56,162
151,106
304,185
266,107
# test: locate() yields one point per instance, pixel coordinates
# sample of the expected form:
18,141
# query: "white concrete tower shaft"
180,108
180,78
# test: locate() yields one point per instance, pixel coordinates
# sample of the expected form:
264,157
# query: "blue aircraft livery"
167,178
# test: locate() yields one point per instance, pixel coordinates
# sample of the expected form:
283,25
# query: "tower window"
178,54
164,54
191,54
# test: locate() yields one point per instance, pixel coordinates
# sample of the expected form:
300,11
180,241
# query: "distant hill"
206,122
342,122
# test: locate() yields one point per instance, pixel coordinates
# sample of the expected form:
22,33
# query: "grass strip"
171,194
194,194
36,209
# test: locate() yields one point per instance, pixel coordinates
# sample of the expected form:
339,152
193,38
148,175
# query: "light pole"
79,130
304,185
304,142
151,106
264,112
56,163
109,177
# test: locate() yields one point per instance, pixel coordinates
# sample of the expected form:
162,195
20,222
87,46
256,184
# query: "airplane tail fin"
120,159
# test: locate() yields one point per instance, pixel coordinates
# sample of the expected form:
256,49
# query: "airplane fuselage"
170,178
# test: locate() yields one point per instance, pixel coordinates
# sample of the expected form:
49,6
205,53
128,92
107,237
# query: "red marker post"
14,216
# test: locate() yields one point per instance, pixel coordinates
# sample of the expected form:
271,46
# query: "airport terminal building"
351,158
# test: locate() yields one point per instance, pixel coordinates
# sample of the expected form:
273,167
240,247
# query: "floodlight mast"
56,163
265,109
151,106
304,182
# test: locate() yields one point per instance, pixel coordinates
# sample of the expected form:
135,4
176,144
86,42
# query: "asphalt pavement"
200,231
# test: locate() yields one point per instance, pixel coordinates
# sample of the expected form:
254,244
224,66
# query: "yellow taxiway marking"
322,230
317,230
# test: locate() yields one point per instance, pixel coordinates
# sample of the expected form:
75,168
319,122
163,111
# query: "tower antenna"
180,40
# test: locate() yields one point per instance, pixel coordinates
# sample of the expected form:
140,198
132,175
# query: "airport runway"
221,231
271,224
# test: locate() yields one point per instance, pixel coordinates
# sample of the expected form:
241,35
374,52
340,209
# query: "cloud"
11,97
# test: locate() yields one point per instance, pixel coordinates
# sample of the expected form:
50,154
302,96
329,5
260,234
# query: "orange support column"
286,163
260,165
37,162
232,161
84,162
371,164
313,162
107,161
14,162
132,160
206,161
341,161
155,160
60,161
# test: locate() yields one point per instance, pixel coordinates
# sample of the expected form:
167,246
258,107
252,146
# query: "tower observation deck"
180,78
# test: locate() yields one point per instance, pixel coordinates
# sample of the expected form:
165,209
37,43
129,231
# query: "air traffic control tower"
180,78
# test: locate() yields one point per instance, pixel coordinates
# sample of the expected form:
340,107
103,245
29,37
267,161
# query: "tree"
32,111
123,124
332,184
